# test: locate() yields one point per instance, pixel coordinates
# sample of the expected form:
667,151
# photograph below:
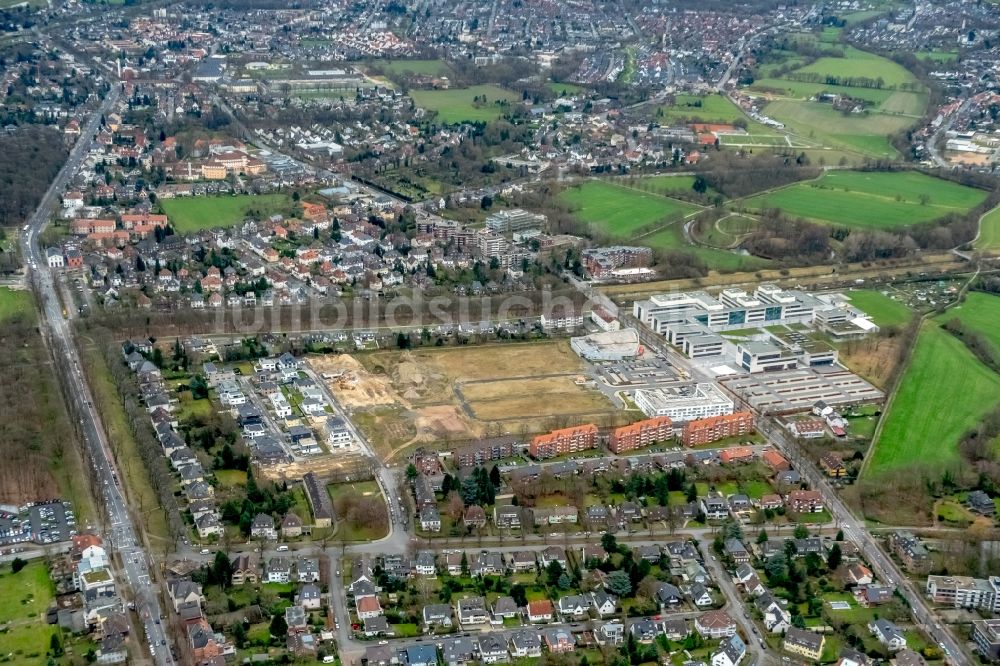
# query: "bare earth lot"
436,395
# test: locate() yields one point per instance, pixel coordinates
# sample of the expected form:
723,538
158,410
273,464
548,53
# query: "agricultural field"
435,394
620,211
989,232
979,312
15,304
457,105
944,392
884,310
192,214
701,108
876,200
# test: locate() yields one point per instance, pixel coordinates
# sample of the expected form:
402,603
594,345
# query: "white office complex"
692,320
684,403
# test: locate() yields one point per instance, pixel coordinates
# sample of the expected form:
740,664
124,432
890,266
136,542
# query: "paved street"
122,538
855,530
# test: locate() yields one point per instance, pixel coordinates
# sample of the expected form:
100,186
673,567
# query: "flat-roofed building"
685,403
965,592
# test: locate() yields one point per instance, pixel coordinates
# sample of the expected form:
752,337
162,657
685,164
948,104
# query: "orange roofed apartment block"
563,441
714,428
640,434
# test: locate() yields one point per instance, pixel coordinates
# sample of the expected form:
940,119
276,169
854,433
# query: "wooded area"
36,440
32,156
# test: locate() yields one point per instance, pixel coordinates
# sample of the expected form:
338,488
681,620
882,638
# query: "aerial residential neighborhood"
438,333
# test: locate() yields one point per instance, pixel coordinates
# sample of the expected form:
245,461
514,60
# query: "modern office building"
684,403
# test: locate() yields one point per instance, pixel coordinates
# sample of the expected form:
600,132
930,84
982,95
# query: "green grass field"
727,231
25,597
456,105
802,90
944,392
981,313
989,232
15,303
884,311
565,88
667,185
619,211
672,238
345,530
190,214
938,56
867,134
875,200
424,67
857,63
891,109
701,108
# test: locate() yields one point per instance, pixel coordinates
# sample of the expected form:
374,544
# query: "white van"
282,549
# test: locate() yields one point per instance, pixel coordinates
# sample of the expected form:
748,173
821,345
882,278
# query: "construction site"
439,395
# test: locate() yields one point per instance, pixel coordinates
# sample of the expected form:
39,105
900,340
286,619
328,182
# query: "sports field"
872,200
989,232
702,108
884,310
944,392
620,211
981,313
458,105
190,214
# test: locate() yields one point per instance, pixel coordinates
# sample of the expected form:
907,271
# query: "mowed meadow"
944,392
891,98
871,200
619,211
